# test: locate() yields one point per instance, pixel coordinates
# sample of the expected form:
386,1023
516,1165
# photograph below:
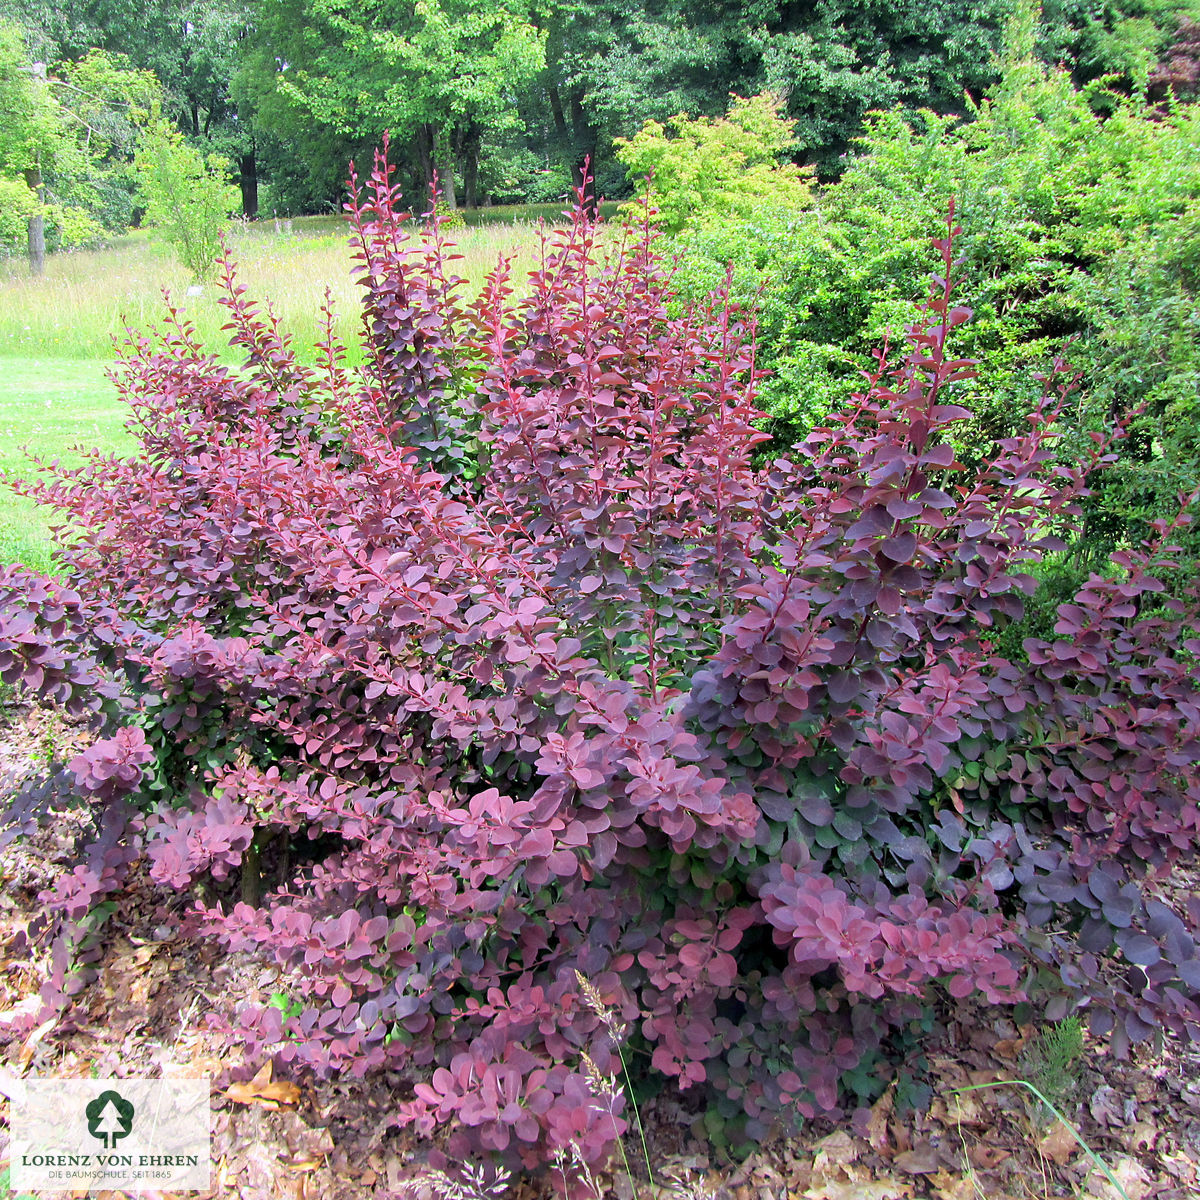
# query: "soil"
146,1015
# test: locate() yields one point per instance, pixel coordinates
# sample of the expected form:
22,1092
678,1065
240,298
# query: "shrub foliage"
706,170
186,194
507,662
1076,225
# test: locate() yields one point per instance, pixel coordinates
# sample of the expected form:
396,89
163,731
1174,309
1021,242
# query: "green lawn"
49,405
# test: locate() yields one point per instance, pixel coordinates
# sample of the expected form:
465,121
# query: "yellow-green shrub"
703,168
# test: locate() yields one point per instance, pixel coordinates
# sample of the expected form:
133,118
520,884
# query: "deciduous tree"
435,74
63,136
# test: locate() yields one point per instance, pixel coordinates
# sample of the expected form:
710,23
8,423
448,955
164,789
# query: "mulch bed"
146,1015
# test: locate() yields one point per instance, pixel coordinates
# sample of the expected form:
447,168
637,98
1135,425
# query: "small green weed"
471,1182
50,740
286,1005
603,1087
1051,1062
289,1008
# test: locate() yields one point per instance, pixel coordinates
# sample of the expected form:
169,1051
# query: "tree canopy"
508,99
435,74
64,139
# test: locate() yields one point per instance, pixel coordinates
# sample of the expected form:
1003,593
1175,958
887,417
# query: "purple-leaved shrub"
550,675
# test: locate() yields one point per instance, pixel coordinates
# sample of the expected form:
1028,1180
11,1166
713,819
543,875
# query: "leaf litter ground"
275,1139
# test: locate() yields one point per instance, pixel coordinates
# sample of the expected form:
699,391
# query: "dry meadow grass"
87,298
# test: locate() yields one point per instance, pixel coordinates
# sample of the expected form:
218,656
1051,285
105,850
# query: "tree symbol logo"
109,1118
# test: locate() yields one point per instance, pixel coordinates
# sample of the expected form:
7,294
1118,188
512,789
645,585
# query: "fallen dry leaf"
953,1187
877,1126
874,1189
260,1090
961,1108
948,1070
1128,1172
143,954
302,1162
622,1187
31,1042
1009,1047
145,984
1058,1144
766,1178
395,1172
989,1076
837,1148
1107,1106
922,1159
193,1066
833,1158
1181,1167
985,1157
1143,1136
271,1095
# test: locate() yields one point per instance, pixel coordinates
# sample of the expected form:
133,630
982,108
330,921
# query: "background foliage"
184,194
289,90
1081,232
717,169
64,144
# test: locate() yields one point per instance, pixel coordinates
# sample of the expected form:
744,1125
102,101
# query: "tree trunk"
445,173
37,225
424,148
471,176
37,245
249,182
470,165
556,108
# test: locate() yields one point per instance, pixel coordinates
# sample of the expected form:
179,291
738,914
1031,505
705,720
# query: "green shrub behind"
706,169
1077,227
186,194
